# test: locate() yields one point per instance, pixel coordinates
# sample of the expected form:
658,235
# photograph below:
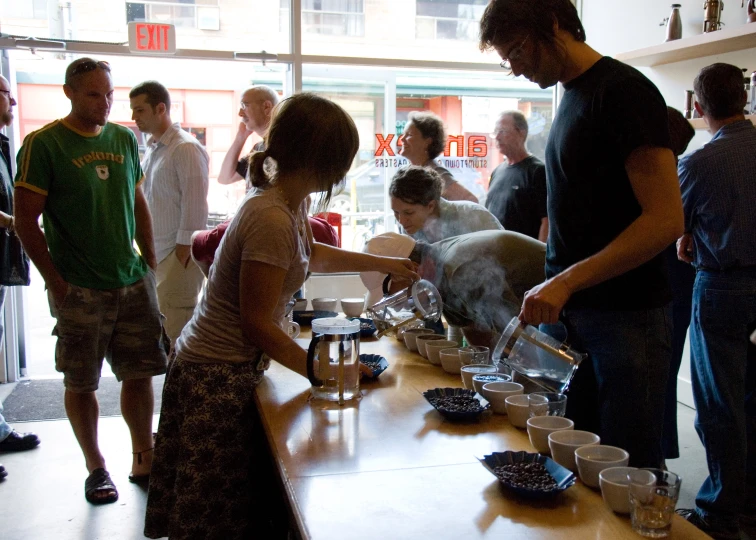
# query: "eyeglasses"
514,54
87,66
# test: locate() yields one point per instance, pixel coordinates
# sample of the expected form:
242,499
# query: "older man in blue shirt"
718,184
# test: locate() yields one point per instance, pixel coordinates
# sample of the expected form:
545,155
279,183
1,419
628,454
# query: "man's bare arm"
28,206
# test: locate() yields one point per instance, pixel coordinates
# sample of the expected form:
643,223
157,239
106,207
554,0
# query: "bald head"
256,108
7,102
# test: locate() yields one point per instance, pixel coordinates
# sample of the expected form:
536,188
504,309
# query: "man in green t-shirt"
82,175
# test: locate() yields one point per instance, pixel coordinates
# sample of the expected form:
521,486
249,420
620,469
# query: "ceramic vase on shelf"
674,24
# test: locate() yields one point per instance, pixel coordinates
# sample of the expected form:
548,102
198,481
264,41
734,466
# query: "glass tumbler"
653,496
474,355
547,404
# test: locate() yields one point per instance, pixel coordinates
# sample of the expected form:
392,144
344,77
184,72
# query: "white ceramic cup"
352,307
564,443
433,347
410,337
615,488
422,340
539,428
497,393
518,410
324,304
450,360
481,379
468,372
593,459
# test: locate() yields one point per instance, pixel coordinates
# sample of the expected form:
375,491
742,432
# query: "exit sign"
152,38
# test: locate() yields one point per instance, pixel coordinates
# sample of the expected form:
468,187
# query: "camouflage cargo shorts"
122,325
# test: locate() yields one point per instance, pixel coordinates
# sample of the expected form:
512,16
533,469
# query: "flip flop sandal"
99,482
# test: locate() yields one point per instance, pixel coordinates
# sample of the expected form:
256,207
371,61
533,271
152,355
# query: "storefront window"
469,104
449,20
206,106
231,25
333,17
405,29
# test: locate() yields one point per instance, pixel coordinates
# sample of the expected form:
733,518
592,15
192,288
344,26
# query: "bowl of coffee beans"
375,362
457,403
367,326
529,475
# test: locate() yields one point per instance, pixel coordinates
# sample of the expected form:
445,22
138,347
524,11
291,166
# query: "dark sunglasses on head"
89,65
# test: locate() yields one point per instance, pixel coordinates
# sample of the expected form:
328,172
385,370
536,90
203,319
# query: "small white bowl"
300,305
497,393
324,304
411,334
518,410
540,427
352,307
450,360
564,443
593,459
615,488
422,340
481,379
433,347
469,370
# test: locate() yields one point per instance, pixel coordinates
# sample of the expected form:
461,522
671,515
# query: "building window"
180,13
449,19
13,9
332,17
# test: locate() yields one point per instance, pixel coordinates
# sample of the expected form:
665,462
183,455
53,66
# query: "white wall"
615,26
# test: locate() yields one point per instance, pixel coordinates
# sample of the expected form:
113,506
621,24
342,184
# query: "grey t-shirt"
455,218
483,276
263,230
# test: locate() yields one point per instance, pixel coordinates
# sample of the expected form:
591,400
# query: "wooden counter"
390,467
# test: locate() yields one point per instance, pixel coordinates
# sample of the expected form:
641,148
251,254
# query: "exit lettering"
152,37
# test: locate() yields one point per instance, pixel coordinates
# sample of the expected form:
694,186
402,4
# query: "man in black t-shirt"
613,205
517,191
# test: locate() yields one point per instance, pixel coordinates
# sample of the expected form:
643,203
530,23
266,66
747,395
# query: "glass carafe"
421,300
543,359
335,346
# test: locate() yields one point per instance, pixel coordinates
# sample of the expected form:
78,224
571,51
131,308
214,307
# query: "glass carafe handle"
311,364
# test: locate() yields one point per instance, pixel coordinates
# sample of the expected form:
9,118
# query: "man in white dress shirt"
176,170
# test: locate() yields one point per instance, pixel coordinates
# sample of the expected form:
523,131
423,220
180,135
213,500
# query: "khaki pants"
177,289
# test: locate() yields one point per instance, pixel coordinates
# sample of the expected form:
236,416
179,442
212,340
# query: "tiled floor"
43,496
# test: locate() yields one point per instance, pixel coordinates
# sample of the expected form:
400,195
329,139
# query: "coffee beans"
457,404
366,326
526,475
372,365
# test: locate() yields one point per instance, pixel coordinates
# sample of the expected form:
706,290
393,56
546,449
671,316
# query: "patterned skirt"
201,484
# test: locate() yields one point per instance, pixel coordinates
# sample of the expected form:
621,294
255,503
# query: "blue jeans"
724,389
618,391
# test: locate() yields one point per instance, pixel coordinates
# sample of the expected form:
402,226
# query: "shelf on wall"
722,41
698,123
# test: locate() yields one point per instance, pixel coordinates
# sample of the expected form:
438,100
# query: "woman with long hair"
200,485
